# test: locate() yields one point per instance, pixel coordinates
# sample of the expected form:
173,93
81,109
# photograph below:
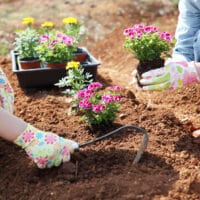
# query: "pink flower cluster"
59,38
85,103
95,86
90,99
98,108
166,36
110,98
138,30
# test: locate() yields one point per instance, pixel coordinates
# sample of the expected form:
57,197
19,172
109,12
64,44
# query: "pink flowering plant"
56,47
72,26
147,43
98,107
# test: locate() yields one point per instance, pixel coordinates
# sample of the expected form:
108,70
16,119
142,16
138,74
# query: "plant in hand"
149,46
98,107
147,43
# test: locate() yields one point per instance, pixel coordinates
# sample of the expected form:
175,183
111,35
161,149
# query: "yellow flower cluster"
70,20
47,24
28,20
73,65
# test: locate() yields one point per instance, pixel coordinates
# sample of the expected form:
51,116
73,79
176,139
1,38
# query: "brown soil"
170,167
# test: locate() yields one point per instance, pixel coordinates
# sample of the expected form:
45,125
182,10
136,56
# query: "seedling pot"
145,66
55,65
28,63
80,55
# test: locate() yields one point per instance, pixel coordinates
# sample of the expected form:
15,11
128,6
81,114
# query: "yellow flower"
73,65
28,20
47,24
70,20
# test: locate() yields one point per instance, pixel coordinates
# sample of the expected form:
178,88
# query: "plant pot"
55,65
31,63
80,56
145,66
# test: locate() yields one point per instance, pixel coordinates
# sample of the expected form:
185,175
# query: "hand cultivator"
118,130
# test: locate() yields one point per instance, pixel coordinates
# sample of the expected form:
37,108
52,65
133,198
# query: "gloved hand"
6,93
46,149
172,76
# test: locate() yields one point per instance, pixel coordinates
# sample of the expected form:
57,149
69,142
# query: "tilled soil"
170,167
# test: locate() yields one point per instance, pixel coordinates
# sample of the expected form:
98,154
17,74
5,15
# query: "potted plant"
148,45
99,108
26,42
56,49
71,26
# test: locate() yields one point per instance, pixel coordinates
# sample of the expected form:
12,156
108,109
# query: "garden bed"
169,169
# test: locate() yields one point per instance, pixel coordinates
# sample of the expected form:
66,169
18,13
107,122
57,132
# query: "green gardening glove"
172,76
46,149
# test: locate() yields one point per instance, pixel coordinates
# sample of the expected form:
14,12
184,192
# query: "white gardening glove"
172,76
46,149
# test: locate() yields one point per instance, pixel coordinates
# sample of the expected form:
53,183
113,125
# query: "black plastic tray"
47,77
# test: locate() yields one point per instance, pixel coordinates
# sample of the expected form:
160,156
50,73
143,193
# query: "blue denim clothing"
188,31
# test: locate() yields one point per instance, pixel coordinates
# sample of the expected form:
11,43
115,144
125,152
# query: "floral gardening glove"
46,149
174,75
6,93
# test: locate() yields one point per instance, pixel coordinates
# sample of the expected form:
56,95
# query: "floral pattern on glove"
174,75
6,93
46,149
